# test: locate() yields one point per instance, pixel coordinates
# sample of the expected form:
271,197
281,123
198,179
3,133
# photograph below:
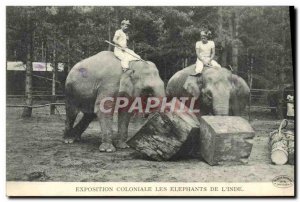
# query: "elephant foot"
71,140
122,145
107,147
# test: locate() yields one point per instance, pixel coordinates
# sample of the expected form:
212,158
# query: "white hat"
203,33
125,22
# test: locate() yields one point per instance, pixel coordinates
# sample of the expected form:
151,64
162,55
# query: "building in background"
42,77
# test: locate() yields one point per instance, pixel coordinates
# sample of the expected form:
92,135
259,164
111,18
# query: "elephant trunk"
158,89
221,104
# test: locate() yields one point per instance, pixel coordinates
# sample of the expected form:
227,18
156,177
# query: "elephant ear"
239,86
191,85
126,85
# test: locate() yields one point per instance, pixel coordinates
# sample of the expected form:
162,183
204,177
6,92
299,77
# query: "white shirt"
205,49
121,38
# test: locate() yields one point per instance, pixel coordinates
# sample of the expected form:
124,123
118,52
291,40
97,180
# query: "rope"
42,77
281,125
279,131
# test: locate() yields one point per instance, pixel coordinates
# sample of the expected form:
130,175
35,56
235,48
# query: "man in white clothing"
205,50
122,51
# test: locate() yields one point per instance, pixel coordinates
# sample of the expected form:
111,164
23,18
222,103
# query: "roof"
37,66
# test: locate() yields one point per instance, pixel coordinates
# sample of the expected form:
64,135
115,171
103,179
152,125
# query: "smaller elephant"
219,92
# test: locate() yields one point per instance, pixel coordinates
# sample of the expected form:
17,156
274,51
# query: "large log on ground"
225,139
281,144
164,134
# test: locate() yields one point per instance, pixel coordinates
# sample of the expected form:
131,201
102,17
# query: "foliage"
164,35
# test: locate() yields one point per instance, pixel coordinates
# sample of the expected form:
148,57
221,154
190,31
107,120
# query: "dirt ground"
35,152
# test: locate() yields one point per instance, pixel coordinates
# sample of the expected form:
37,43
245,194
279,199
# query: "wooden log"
279,154
278,148
291,150
281,144
225,139
164,134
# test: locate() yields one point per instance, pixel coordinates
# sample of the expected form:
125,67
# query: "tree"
164,35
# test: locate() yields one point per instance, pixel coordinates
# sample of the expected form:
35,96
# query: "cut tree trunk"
165,135
225,139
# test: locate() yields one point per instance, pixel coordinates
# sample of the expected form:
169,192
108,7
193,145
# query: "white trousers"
126,56
200,65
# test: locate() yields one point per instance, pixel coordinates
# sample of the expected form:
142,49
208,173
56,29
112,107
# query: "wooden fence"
258,100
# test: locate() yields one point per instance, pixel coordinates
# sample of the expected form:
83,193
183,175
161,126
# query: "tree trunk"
68,59
54,76
250,82
133,45
43,51
165,71
235,48
231,38
223,56
109,33
46,53
27,111
281,72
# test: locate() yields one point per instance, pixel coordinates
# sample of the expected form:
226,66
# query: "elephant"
218,90
101,76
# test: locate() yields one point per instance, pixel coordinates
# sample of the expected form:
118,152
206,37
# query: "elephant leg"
71,114
123,122
106,122
82,126
235,107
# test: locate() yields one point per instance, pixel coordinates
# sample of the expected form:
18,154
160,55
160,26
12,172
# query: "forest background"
254,41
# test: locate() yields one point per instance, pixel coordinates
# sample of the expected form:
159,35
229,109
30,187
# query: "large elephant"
99,77
218,91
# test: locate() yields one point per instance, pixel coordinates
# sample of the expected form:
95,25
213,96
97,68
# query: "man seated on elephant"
122,51
205,50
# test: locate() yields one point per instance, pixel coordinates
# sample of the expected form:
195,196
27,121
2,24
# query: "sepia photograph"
164,101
